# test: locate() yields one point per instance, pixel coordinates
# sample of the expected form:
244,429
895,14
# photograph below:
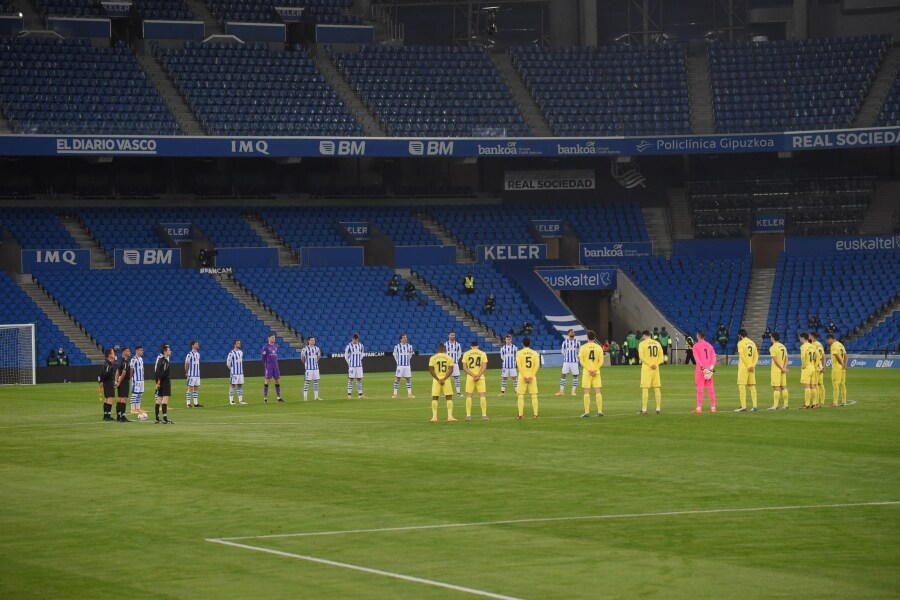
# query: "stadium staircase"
201,12
531,112
656,218
547,303
877,318
265,314
348,95
62,319
878,91
170,95
759,298
882,214
463,254
33,20
679,214
700,93
286,256
451,307
86,241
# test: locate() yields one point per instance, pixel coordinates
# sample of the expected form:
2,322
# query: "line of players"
115,377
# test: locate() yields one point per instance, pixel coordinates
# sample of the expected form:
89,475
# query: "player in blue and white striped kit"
235,362
570,348
192,373
454,351
310,357
137,379
353,354
508,357
403,353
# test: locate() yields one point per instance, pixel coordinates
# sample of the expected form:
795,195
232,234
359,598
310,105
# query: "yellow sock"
645,397
742,392
814,395
483,406
587,403
534,404
434,406
753,395
821,393
784,397
599,402
521,403
658,393
844,393
777,395
468,406
807,396
449,408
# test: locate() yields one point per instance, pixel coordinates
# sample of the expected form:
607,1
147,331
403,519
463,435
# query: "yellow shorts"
745,377
476,386
527,388
838,376
808,375
779,379
441,390
649,377
588,382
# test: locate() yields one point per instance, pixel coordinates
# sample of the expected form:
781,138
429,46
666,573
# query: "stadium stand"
672,286
262,11
618,221
332,303
17,307
253,90
513,307
881,338
792,85
433,91
5,6
163,303
37,229
69,86
820,206
890,112
610,90
169,10
319,226
137,228
68,8
844,289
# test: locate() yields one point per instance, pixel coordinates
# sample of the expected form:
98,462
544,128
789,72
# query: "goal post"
18,354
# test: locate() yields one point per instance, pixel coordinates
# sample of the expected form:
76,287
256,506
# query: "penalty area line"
673,513
369,570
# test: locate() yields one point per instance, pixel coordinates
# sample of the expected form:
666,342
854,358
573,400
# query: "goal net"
17,355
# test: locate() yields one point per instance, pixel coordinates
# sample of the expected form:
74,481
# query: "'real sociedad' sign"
532,181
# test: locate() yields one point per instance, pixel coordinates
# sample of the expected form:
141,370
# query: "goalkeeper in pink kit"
705,355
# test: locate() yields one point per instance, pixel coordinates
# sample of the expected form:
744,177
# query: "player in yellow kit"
838,370
779,371
475,364
527,362
651,355
590,356
441,368
748,357
808,371
820,367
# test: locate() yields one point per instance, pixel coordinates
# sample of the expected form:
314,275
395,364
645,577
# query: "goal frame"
33,330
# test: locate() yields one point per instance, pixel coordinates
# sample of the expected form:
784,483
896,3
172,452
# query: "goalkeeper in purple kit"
270,364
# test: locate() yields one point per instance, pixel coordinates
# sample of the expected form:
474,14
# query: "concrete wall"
633,310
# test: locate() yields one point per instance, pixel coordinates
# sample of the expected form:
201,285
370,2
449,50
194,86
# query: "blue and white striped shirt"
192,360
454,350
311,354
402,354
137,370
570,350
508,354
235,361
353,354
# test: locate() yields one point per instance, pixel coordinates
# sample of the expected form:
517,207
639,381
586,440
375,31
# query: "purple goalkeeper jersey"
270,361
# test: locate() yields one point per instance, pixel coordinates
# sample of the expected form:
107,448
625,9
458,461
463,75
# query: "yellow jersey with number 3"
837,351
748,354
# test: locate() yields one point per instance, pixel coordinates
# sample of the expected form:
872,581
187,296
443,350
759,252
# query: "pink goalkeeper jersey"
704,355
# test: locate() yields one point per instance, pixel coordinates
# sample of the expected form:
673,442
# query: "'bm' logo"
149,257
342,148
431,148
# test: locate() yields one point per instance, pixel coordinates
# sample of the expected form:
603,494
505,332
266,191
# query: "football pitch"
368,499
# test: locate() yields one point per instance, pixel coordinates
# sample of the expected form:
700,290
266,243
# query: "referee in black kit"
163,385
123,379
106,383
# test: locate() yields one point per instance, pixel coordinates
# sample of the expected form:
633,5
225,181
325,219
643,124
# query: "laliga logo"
643,145
858,363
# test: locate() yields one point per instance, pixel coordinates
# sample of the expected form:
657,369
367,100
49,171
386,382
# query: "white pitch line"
343,565
674,513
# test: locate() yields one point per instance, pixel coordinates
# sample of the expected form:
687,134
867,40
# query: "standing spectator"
832,328
606,346
62,357
614,353
469,283
655,335
394,285
767,334
527,328
664,341
689,349
632,342
52,358
410,291
490,303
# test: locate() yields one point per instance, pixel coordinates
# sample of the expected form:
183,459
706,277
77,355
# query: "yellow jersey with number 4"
590,356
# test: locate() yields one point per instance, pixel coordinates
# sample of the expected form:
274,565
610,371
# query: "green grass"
109,510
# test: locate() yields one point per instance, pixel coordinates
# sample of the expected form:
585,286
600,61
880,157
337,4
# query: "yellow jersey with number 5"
528,362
